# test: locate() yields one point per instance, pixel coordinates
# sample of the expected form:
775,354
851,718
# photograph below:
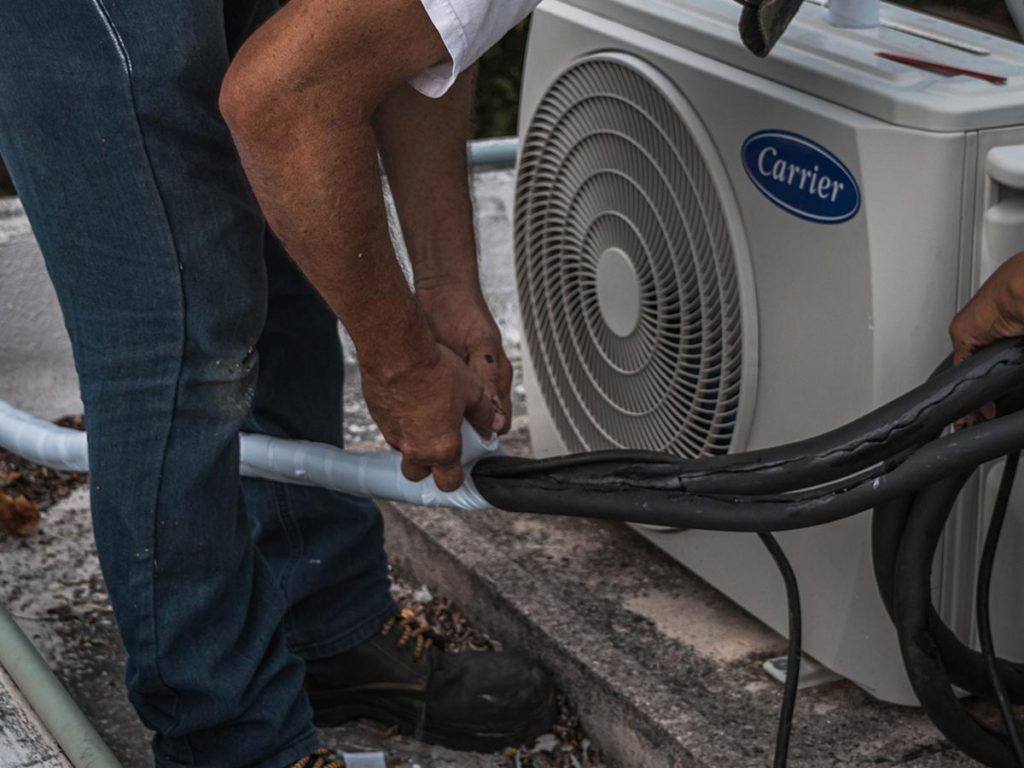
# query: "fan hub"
618,292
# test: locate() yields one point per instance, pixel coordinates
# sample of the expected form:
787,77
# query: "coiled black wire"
988,558
899,461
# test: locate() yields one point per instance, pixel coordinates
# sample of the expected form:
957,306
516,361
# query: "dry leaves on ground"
18,515
27,489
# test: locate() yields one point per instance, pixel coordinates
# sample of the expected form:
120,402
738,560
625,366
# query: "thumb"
485,364
971,330
479,409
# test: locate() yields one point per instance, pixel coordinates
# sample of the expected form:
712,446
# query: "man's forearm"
299,99
423,145
311,158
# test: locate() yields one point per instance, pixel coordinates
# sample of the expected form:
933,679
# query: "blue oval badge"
801,177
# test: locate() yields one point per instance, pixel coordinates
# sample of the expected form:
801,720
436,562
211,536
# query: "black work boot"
480,701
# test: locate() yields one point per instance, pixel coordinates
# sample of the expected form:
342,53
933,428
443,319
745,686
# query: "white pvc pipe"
493,152
377,474
50,701
857,14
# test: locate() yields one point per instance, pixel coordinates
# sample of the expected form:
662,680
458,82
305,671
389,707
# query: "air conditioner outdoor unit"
716,253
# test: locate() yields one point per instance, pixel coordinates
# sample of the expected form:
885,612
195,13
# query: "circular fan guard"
614,185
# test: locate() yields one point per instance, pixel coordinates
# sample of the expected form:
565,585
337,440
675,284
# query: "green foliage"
497,94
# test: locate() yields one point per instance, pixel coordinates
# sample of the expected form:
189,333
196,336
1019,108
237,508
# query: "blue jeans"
188,324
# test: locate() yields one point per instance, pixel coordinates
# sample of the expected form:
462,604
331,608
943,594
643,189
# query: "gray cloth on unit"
764,22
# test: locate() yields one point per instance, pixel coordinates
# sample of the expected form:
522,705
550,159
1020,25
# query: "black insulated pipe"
900,461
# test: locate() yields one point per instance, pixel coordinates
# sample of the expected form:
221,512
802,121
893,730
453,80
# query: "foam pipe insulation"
374,473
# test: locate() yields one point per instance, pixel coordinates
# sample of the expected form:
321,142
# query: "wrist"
404,345
448,283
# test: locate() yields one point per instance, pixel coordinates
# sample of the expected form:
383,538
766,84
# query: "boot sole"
463,739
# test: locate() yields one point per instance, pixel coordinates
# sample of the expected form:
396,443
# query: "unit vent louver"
627,269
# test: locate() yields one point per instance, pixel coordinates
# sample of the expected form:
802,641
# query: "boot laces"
321,757
412,631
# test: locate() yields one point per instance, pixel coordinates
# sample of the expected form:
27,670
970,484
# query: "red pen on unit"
944,69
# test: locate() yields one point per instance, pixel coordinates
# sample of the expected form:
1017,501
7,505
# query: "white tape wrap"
377,474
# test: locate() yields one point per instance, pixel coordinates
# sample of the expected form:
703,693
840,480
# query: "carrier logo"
801,177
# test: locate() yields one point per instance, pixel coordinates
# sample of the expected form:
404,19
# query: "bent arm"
298,99
423,144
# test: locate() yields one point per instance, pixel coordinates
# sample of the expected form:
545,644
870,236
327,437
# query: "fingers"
963,330
480,411
995,312
442,458
448,478
968,332
965,341
505,392
494,372
413,470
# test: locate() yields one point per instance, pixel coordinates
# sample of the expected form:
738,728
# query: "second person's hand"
995,312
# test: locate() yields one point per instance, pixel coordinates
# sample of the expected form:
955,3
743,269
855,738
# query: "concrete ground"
24,740
664,671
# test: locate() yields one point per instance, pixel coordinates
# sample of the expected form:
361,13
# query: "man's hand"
995,312
419,409
460,320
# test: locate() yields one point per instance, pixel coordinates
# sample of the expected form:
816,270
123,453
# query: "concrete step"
24,740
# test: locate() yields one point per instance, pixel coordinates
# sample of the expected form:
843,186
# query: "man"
236,598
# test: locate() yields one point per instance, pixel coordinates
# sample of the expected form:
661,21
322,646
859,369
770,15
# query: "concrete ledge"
24,741
663,670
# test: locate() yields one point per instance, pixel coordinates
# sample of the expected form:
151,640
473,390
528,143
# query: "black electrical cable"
983,604
926,667
794,649
895,460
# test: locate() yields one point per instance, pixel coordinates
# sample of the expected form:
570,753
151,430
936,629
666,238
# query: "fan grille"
627,276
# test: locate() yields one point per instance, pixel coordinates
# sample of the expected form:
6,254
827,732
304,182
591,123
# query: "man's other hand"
460,321
419,409
995,312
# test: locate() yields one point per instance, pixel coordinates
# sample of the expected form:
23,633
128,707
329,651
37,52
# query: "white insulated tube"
377,474
856,14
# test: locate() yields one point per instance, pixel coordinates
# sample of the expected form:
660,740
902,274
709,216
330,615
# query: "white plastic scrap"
422,596
364,760
546,743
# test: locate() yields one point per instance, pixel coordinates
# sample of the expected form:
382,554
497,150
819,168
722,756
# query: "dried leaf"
6,478
18,515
